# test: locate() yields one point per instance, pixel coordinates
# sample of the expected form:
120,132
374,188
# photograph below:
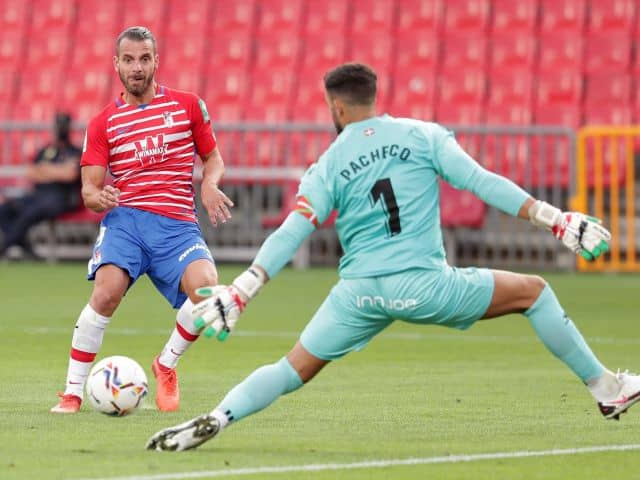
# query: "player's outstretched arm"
218,313
580,233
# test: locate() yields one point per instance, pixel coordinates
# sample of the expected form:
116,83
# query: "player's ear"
115,63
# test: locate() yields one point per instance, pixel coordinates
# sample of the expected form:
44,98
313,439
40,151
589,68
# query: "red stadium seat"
509,114
462,15
106,20
87,85
271,94
226,111
460,113
8,88
229,50
49,48
155,19
47,14
607,114
560,50
417,49
558,114
277,50
515,16
12,48
419,15
616,15
559,86
460,208
181,79
92,51
608,52
414,93
378,54
322,52
190,16
184,57
506,155
227,86
326,16
465,50
512,50
607,88
13,17
463,86
232,17
371,16
512,85
556,15
309,104
280,16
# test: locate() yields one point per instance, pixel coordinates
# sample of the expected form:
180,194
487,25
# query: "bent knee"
105,301
535,286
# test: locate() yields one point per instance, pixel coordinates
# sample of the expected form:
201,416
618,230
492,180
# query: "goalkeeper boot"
628,395
167,391
185,436
68,404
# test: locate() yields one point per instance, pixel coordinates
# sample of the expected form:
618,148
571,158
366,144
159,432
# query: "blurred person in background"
55,175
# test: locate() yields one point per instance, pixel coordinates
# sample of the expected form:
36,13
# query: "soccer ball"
117,385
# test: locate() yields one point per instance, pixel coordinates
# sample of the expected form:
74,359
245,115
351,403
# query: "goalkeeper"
381,175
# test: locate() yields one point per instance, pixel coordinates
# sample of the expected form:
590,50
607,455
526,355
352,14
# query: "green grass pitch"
414,393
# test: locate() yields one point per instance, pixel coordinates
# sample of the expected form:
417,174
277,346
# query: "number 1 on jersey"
383,188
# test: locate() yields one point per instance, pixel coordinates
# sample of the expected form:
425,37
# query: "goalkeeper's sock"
85,344
183,335
561,337
258,391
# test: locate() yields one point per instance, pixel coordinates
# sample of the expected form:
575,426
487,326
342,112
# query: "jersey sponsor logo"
304,208
152,150
363,301
122,130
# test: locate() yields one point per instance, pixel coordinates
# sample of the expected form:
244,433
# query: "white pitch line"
374,463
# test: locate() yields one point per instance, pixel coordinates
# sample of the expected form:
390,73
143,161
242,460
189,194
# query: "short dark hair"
137,33
355,83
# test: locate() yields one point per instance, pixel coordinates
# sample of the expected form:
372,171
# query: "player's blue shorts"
358,309
147,243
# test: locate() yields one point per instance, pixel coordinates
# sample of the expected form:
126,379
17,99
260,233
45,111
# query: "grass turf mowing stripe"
375,463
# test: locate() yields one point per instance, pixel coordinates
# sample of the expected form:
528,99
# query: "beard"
138,89
336,123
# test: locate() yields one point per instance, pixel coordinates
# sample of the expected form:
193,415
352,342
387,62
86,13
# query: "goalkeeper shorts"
356,310
141,242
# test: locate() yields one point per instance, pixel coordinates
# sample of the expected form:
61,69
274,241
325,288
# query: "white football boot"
185,436
628,395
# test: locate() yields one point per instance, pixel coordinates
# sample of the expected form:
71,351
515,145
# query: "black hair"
137,33
355,83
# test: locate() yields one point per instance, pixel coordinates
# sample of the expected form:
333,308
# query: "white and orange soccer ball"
117,385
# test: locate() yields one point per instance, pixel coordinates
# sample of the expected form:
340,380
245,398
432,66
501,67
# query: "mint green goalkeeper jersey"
381,175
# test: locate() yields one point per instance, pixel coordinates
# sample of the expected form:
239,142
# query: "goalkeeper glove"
219,312
578,232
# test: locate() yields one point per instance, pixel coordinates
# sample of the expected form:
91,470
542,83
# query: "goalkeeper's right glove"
580,233
218,313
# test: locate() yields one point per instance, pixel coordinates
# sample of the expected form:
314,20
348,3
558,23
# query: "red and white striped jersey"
150,150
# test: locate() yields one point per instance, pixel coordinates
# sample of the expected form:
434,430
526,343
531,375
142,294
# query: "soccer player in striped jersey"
148,139
381,175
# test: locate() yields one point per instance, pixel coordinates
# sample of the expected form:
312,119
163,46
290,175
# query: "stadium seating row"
566,62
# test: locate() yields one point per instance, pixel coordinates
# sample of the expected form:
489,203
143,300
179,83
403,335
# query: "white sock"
604,388
85,344
221,417
183,335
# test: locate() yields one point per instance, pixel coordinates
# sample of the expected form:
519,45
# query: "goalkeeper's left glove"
219,312
580,233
